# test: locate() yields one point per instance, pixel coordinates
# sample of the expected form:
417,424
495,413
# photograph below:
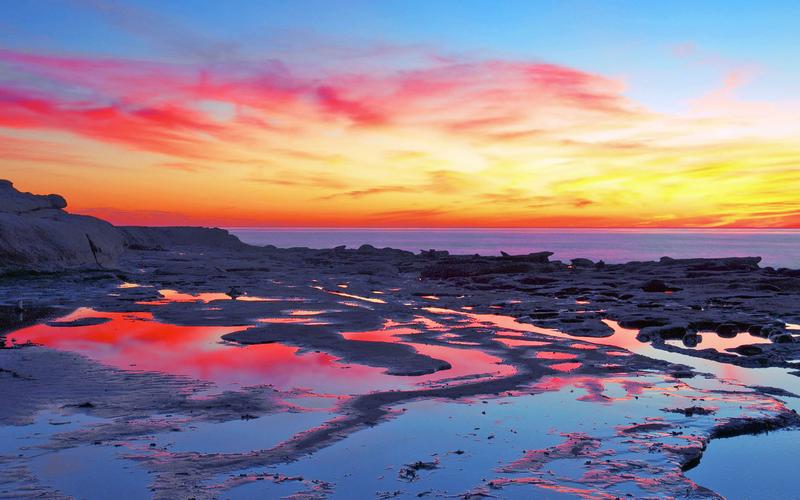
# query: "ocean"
778,248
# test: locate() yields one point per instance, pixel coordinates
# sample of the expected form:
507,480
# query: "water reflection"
169,295
351,295
710,340
528,445
135,341
473,438
625,338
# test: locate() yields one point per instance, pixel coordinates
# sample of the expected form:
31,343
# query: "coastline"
415,328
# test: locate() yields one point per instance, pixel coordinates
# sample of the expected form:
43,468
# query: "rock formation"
36,234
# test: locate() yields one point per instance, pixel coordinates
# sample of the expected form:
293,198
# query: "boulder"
434,254
728,330
691,339
666,332
656,286
533,258
781,338
748,350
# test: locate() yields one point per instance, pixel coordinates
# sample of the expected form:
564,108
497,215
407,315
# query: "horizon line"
507,228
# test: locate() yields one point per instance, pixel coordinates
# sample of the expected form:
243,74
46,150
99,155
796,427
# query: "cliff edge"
36,234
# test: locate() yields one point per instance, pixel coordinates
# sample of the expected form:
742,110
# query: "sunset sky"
406,113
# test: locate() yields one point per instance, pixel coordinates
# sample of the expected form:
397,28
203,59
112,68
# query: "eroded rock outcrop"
36,234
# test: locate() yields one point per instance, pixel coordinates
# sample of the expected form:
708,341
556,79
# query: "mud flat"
197,366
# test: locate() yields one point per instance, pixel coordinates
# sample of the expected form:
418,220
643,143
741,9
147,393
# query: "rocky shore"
411,320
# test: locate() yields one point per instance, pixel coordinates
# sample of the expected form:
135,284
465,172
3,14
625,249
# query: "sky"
405,113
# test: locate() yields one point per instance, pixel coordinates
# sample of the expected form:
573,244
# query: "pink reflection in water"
176,296
382,335
351,296
429,324
255,298
566,367
554,355
596,386
297,320
583,347
304,312
136,341
521,341
622,338
462,361
721,344
625,338
126,285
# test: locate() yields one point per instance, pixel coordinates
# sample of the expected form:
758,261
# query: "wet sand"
247,372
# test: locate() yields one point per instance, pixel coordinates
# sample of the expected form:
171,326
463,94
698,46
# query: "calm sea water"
778,248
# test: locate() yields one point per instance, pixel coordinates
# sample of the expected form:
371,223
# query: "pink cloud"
156,107
166,129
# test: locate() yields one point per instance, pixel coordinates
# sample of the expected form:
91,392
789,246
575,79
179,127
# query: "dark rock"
728,330
537,280
91,321
664,332
755,330
638,323
409,472
544,314
533,258
454,269
691,339
782,338
750,425
656,286
691,411
748,350
774,391
721,264
434,254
